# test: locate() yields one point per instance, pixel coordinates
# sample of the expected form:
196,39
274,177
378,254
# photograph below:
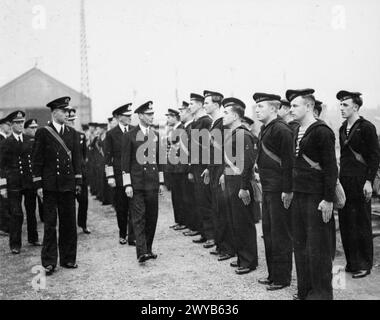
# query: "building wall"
32,91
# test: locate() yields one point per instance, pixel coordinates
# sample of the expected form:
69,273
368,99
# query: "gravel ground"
182,271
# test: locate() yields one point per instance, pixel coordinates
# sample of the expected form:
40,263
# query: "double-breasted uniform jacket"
277,137
364,141
141,174
53,169
177,150
16,163
112,153
318,144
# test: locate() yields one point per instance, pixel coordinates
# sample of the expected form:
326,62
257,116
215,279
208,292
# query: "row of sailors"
297,168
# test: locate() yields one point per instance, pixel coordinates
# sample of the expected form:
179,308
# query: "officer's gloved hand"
112,182
40,193
245,196
206,176
161,189
190,176
286,199
327,209
129,191
367,191
4,193
78,189
221,182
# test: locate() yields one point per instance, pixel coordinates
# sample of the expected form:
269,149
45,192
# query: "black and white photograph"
200,154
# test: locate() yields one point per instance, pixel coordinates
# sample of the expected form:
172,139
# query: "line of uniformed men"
297,166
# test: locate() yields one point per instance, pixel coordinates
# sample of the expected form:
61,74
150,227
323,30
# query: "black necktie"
125,129
61,131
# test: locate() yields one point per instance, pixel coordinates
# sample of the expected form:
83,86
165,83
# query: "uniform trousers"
223,225
82,199
144,213
202,194
313,242
61,205
17,216
123,214
355,224
177,193
277,238
243,224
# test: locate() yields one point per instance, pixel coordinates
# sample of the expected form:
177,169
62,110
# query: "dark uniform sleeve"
3,163
77,159
373,155
126,159
108,152
38,157
329,164
285,138
249,161
160,165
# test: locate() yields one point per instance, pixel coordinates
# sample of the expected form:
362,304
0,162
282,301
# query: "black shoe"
361,274
243,270
49,270
152,255
296,296
215,252
224,257
69,265
132,243
15,251
86,230
173,226
122,241
265,281
274,287
348,269
143,258
35,243
192,233
234,264
200,240
4,233
209,244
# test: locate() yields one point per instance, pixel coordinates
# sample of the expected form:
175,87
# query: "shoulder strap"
357,155
271,155
313,164
59,140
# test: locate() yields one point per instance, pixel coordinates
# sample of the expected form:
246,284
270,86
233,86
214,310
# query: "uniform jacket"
202,144
141,175
277,137
112,153
16,163
83,152
53,170
364,141
246,156
3,182
318,144
177,148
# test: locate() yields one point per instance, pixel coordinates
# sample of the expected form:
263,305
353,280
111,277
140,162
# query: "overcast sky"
142,50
